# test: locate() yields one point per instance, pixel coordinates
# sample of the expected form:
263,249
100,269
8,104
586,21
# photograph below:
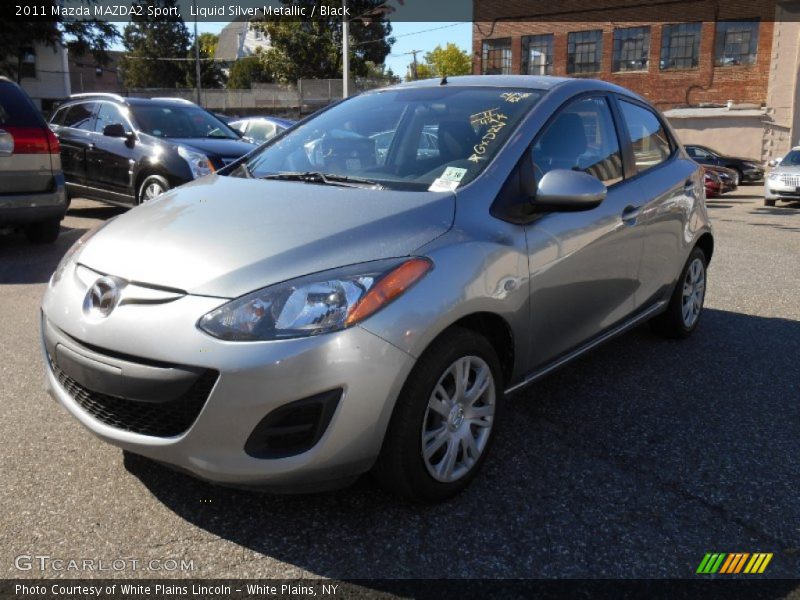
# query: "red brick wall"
666,89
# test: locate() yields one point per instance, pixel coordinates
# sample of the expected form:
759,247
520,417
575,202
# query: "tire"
44,232
739,176
402,466
680,319
151,187
768,202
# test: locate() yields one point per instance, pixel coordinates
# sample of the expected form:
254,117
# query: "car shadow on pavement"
95,211
24,262
632,462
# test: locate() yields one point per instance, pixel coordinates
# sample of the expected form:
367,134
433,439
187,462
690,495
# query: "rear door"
74,129
583,265
670,187
25,162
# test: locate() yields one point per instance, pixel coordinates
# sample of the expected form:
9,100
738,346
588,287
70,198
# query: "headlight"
72,253
314,304
198,163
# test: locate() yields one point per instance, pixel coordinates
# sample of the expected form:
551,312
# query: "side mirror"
115,130
562,190
774,162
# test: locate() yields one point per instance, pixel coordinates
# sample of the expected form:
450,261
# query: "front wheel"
683,313
444,421
768,202
152,187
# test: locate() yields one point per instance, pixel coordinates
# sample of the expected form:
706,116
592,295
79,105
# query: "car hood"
788,170
226,236
226,148
755,161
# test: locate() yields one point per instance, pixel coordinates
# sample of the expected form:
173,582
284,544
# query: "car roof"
127,100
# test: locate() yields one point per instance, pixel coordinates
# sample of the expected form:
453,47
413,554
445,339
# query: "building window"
584,49
737,43
27,63
537,54
496,58
631,49
680,46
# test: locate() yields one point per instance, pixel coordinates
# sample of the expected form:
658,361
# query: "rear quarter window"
16,109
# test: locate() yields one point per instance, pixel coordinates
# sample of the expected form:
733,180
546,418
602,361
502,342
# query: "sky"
424,36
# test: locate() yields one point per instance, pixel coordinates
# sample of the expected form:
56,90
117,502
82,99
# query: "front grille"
791,179
160,419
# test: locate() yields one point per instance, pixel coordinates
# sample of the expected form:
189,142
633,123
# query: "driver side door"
583,265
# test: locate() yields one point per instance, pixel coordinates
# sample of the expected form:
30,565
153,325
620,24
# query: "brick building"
688,58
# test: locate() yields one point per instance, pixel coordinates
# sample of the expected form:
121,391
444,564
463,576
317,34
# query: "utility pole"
414,68
196,56
345,52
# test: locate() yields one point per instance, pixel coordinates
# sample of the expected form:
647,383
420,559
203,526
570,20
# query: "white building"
44,74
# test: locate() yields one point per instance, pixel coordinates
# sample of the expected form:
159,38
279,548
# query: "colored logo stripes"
732,563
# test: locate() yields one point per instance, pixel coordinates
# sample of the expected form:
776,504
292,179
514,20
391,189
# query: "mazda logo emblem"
102,297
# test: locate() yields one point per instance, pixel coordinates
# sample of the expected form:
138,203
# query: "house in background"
44,74
87,75
237,40
724,73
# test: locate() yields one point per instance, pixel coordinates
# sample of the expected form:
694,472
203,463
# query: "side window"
107,115
650,141
79,116
581,138
58,117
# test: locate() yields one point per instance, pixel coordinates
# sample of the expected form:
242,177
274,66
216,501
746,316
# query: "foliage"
149,41
450,60
247,71
313,48
211,73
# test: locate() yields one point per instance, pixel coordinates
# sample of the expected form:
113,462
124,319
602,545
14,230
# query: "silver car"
783,181
290,324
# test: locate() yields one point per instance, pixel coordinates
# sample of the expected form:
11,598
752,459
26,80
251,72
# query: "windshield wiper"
323,178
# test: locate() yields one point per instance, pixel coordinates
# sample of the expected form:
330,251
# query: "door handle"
631,213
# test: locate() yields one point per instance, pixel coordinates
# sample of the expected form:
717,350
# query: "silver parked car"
298,319
783,181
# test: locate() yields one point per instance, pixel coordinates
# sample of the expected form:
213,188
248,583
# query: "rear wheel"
44,232
444,420
152,187
683,313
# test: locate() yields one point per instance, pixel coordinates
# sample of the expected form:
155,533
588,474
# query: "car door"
110,160
670,187
74,133
583,265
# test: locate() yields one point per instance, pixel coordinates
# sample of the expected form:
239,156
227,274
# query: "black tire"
739,175
768,202
401,467
151,180
671,323
44,232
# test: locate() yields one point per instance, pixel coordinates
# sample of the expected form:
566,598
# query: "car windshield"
792,159
414,138
175,121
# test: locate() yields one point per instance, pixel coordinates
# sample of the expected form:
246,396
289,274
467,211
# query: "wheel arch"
706,243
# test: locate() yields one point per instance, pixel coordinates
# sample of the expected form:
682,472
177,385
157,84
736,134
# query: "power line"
402,35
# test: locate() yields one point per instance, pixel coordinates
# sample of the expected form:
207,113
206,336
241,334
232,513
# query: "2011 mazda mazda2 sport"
319,308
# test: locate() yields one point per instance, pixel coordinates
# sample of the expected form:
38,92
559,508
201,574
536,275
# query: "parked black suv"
32,194
747,169
128,150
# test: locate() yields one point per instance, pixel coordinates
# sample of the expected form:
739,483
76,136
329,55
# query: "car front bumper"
138,344
752,174
779,190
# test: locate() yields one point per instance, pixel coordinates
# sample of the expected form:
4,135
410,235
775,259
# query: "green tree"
247,71
211,74
80,37
423,71
149,42
313,48
450,60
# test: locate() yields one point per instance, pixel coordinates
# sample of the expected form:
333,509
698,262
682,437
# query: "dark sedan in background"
747,169
128,150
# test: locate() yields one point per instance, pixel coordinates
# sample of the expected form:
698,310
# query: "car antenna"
443,81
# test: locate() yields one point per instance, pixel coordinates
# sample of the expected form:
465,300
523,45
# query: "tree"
149,41
423,71
450,60
211,74
313,48
247,71
80,37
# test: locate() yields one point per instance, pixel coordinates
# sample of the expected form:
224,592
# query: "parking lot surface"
633,462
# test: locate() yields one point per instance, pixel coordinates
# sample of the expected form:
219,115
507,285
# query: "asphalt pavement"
633,462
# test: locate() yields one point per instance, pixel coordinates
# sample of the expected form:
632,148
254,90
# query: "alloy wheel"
152,191
458,419
694,290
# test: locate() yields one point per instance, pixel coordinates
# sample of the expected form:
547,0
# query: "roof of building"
695,113
230,39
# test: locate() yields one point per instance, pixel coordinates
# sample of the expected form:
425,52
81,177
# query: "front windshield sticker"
496,120
448,181
514,97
